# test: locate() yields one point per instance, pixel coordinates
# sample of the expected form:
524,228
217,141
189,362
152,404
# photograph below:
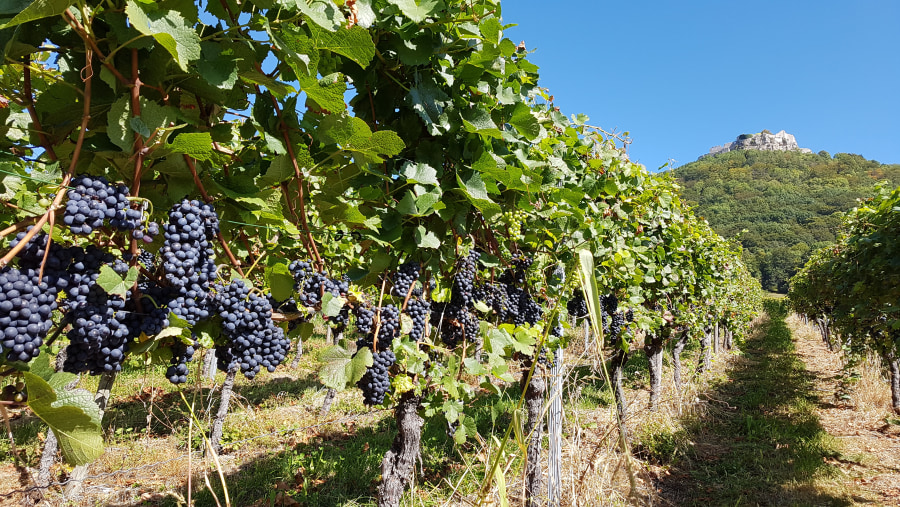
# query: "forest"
780,205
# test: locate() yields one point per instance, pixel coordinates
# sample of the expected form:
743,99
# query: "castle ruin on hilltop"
763,141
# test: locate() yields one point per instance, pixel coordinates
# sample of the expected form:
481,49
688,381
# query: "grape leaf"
418,172
218,65
525,122
117,124
39,9
332,305
426,239
327,92
322,12
112,283
418,10
476,191
195,144
299,50
480,122
355,43
170,30
428,100
340,368
72,415
280,280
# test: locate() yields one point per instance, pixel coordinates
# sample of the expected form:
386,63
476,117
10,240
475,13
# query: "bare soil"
857,413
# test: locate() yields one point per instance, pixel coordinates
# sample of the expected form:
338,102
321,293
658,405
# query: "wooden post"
554,431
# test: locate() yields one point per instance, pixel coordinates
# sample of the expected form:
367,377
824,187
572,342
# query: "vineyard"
365,217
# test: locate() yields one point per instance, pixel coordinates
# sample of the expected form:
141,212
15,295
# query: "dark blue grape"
376,382
255,342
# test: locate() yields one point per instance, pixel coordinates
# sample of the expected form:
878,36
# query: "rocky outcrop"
763,141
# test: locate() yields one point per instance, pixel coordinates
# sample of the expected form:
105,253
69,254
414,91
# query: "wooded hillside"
784,200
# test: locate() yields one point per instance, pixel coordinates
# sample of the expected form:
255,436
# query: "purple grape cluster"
182,354
25,309
375,383
418,309
94,202
255,341
311,285
189,259
404,279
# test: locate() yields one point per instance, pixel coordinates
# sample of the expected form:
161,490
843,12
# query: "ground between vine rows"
687,451
791,430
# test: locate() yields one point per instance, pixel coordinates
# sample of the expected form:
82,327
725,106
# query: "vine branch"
64,185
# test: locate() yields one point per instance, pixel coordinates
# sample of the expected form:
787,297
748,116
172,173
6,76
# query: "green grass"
766,446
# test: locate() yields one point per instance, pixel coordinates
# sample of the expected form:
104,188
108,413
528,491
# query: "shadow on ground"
762,444
340,464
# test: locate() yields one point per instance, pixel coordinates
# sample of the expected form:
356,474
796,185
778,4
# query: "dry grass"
863,385
594,473
856,409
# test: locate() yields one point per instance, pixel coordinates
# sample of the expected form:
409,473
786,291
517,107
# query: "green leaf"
155,116
277,88
476,191
170,30
41,367
525,122
407,205
112,283
138,126
117,124
497,341
322,12
72,415
197,145
353,134
39,9
418,172
479,121
425,202
282,168
299,50
591,291
418,10
332,305
426,239
474,367
491,29
173,331
327,92
383,142
428,100
340,369
280,280
217,65
355,43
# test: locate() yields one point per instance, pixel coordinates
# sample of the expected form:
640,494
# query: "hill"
785,200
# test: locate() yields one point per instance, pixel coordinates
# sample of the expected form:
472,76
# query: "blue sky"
682,77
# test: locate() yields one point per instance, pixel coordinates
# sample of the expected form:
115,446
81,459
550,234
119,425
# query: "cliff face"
763,141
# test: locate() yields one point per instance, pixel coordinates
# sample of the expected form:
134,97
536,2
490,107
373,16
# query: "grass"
746,433
763,444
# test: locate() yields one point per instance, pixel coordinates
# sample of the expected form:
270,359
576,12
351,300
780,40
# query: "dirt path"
786,431
856,411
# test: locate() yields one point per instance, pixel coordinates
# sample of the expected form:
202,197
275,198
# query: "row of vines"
851,290
187,179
